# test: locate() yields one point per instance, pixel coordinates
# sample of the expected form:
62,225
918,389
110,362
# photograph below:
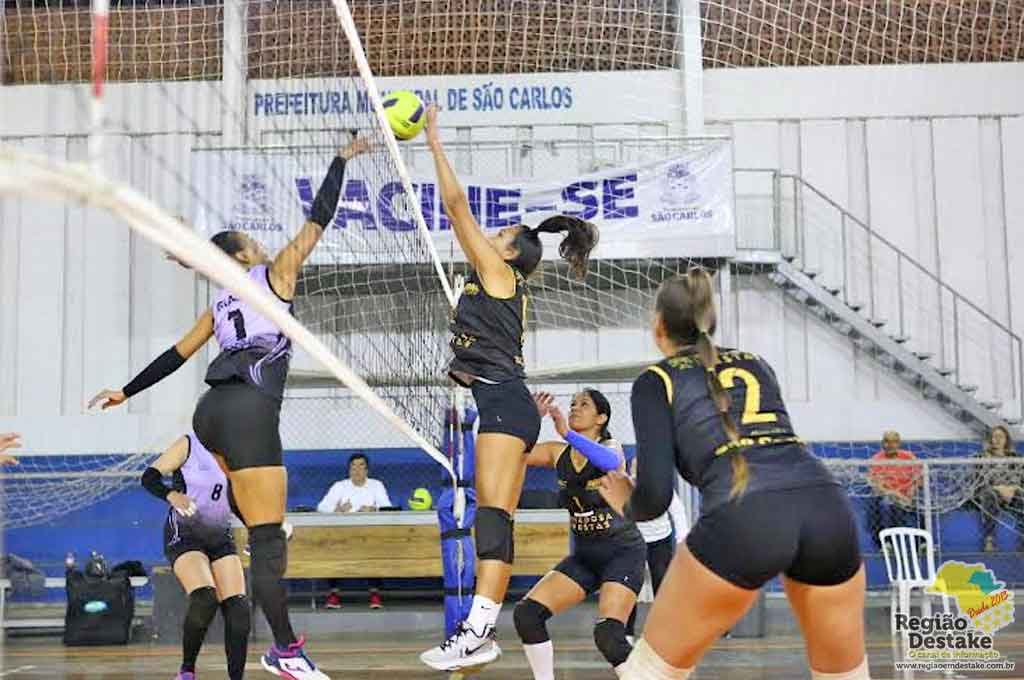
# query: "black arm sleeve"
326,202
655,450
153,482
161,367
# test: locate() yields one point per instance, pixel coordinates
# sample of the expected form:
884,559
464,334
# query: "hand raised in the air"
109,398
359,145
433,134
616,488
558,418
543,400
185,506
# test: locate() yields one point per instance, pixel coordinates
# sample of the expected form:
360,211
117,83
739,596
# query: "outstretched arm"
161,367
169,461
284,272
494,272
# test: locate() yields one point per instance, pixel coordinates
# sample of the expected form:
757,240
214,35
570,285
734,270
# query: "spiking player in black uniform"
769,507
237,418
487,343
608,550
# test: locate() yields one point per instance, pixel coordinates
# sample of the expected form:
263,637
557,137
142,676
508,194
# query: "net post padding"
26,174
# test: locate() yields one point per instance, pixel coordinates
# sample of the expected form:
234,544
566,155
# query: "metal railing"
893,289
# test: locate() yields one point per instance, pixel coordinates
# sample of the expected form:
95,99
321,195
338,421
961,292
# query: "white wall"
927,156
86,304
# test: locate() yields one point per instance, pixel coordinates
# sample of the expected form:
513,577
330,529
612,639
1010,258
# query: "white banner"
676,207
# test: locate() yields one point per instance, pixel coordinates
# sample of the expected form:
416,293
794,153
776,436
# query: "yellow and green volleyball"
405,113
421,500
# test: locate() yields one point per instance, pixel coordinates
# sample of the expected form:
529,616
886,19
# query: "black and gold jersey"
487,332
590,516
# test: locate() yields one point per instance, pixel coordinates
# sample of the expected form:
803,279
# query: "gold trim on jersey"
658,370
748,442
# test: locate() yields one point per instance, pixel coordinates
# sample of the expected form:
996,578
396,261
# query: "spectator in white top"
358,493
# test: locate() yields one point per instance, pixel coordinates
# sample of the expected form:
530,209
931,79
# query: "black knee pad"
202,607
494,539
269,555
531,619
610,638
237,615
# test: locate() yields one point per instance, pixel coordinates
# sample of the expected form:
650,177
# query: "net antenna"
100,34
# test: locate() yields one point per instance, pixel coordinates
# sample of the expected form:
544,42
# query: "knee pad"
859,673
202,607
236,613
269,555
610,638
531,618
494,540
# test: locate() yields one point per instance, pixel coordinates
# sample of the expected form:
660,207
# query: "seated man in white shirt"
358,493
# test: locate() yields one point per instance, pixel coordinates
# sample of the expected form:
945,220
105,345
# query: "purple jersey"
202,480
253,349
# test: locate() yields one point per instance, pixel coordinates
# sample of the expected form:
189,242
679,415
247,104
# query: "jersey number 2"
236,316
752,404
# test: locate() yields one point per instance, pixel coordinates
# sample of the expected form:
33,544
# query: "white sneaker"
464,649
292,663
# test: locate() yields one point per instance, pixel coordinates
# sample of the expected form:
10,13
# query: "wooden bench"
403,544
50,582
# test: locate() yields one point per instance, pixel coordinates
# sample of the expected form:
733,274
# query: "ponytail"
687,308
581,238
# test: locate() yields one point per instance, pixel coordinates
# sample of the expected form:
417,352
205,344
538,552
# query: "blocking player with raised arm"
487,342
201,551
608,551
237,418
769,507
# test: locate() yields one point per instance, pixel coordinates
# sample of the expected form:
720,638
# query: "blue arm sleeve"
601,456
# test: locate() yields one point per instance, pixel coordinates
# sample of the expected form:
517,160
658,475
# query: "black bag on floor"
101,607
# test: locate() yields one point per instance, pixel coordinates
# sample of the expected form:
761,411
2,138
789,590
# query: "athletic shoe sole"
469,664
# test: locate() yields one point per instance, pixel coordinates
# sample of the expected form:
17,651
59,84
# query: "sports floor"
377,657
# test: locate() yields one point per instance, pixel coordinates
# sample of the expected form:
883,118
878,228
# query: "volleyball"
404,111
421,499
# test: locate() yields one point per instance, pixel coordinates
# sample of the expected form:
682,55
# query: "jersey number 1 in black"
236,317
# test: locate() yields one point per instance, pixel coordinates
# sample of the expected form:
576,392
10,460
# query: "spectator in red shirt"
895,486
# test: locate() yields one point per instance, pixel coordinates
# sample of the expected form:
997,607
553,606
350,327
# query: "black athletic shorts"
181,536
240,423
595,561
507,408
808,534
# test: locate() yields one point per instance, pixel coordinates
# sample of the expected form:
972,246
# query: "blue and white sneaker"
464,650
291,663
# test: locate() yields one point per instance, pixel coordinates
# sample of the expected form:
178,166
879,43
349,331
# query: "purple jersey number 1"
236,316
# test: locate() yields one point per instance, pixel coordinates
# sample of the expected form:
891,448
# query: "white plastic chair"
901,547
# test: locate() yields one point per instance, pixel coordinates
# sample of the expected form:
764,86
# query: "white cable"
348,24
22,172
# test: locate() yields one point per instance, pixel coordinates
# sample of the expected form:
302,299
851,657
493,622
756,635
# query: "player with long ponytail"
769,507
488,329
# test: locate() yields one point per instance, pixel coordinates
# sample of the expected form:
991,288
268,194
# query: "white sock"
645,664
542,660
484,613
858,673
